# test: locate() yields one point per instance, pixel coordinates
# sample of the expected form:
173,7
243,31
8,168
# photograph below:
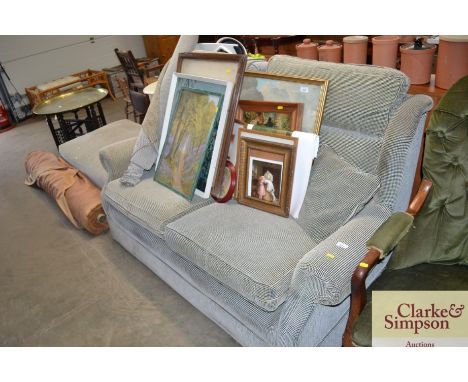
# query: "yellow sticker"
279,107
364,265
228,71
330,255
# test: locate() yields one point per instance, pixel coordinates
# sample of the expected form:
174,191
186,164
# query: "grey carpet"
63,287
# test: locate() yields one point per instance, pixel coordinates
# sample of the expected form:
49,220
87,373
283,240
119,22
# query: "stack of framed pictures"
272,108
205,124
198,123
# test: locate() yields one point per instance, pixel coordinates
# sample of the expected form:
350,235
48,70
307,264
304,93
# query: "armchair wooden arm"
373,256
146,68
151,67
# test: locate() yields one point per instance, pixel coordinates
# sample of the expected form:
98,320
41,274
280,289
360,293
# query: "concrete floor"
60,286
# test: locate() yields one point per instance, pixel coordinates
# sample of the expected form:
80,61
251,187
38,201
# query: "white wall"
33,60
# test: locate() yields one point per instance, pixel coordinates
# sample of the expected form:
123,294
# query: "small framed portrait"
274,117
266,170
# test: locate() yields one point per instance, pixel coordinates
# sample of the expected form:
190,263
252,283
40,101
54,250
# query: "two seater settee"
265,279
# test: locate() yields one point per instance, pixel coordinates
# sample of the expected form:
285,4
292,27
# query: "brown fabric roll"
77,197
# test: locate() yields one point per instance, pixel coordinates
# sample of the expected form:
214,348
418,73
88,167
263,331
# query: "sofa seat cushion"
149,203
248,250
423,277
83,152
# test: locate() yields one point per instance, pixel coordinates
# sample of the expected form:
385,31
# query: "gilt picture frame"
221,66
192,134
265,170
311,92
274,117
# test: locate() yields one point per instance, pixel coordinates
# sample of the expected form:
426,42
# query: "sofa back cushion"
336,192
359,98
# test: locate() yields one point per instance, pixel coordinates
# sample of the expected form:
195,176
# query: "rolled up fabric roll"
77,197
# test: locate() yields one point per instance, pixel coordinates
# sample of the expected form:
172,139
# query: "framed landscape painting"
192,133
273,117
311,92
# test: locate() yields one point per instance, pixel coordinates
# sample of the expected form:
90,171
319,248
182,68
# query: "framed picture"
192,133
221,66
265,169
273,117
311,92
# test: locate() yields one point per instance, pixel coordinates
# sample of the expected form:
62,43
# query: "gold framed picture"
265,170
311,92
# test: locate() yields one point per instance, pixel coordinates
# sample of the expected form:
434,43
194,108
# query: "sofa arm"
396,167
384,240
326,270
115,158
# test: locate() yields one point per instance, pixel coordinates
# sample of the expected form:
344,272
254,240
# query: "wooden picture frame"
221,66
265,170
273,117
190,145
311,92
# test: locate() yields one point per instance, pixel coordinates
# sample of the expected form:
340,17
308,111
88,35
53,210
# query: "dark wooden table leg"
52,130
101,115
66,128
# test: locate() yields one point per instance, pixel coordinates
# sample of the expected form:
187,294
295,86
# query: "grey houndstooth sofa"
260,276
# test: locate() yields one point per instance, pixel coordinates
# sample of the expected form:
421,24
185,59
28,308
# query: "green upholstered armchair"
431,252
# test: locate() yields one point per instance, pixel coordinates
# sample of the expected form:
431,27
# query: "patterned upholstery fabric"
83,152
144,243
359,98
337,190
116,157
257,275
395,147
359,149
150,203
326,270
368,119
249,250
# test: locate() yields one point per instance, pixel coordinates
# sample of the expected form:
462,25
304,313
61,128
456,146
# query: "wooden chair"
123,86
137,75
140,103
430,253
